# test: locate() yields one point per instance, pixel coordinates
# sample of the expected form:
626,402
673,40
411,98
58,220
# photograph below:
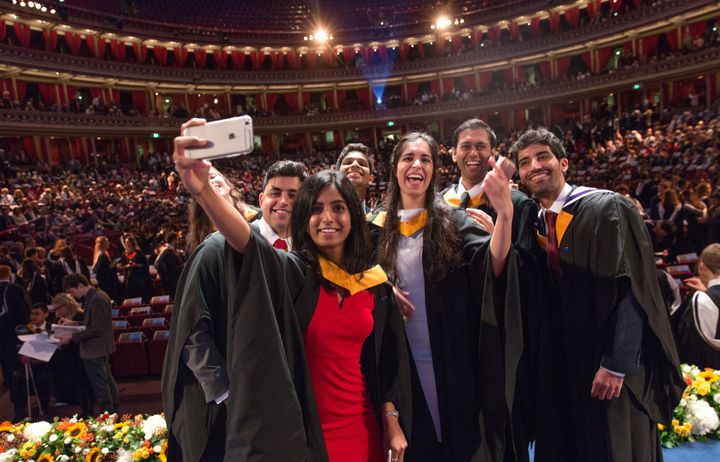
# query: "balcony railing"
689,65
30,58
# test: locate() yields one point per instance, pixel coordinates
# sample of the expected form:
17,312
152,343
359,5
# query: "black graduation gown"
475,333
106,276
605,249
264,421
693,347
384,358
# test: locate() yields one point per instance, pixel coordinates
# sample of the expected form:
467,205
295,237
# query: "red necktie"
280,244
553,255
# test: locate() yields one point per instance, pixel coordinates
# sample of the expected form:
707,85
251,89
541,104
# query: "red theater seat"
156,350
130,357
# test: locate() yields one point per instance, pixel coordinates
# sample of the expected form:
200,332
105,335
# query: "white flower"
153,425
716,398
85,451
11,438
123,455
104,451
62,458
68,440
683,403
9,455
685,368
109,428
702,417
53,438
74,419
157,448
78,449
35,431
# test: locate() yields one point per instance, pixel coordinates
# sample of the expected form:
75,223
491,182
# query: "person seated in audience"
698,327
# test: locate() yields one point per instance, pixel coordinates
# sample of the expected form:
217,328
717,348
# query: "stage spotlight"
379,100
321,35
443,22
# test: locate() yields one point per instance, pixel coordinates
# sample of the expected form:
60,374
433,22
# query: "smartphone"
507,166
226,138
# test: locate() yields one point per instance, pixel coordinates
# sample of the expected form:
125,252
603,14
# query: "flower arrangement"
104,438
696,417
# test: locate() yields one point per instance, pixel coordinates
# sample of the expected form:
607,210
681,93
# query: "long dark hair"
441,241
356,252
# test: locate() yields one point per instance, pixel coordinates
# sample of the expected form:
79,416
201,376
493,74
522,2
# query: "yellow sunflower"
77,431
94,455
7,427
45,457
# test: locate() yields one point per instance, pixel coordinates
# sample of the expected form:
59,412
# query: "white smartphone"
226,138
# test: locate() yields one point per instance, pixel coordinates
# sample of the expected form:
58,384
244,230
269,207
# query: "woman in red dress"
354,341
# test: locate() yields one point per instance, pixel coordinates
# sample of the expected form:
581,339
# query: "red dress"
333,343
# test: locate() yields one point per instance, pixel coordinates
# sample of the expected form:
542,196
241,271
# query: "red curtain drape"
485,79
95,92
255,59
74,42
572,16
365,55
181,55
514,30
101,47
649,45
306,99
404,50
616,5
555,21
364,96
341,95
469,81
520,73
220,58
520,118
382,51
271,100
562,66
637,2
71,92
545,69
591,9
435,86
348,55
448,84
494,34
292,100
22,32
698,28
160,54
672,38
29,146
3,30
118,50
50,37
329,57
140,52
535,27
604,55
457,42
93,45
139,101
238,60
200,58
47,91
475,38
587,59
311,58
421,49
508,74
412,89
116,96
